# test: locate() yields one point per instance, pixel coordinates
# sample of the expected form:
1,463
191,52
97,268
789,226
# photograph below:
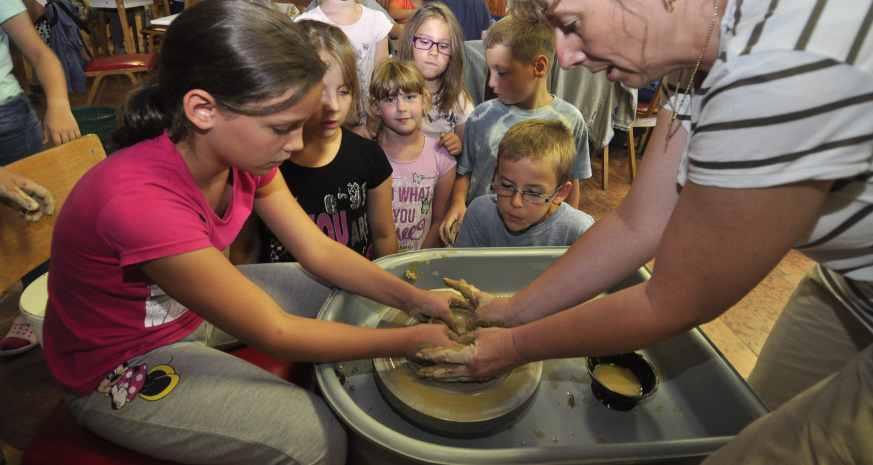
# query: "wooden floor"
27,391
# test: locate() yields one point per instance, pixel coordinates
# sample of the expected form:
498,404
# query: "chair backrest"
23,245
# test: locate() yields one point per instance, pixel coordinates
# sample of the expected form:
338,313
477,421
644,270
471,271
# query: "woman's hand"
451,142
492,353
24,195
60,126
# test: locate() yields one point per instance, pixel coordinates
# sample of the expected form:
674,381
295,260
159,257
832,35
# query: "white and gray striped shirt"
790,99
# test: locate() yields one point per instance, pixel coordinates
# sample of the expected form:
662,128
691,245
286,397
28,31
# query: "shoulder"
575,218
315,14
567,110
371,18
483,207
488,111
829,29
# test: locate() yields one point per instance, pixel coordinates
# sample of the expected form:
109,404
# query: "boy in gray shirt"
519,56
532,179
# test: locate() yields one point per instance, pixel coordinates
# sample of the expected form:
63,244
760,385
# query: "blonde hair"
526,40
391,77
452,81
532,10
334,42
540,140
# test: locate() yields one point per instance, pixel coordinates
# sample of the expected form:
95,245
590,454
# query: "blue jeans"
20,130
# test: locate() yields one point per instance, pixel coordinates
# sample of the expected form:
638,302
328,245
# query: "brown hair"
333,41
525,39
452,81
240,52
543,140
391,77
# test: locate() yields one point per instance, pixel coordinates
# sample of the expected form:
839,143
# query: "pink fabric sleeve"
444,161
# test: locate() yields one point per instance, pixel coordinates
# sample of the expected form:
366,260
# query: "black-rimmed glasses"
423,43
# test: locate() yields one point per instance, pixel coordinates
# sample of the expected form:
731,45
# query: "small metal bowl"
638,365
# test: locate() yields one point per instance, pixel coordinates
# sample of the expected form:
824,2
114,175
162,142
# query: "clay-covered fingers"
457,354
451,225
44,199
446,373
470,292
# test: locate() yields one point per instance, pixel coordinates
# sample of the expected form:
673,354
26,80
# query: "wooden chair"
117,65
23,245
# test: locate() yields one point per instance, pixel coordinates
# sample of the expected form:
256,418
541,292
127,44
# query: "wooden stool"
126,65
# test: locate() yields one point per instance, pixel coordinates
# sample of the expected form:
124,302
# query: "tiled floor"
27,391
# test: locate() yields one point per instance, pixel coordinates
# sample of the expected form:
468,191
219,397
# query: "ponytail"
143,117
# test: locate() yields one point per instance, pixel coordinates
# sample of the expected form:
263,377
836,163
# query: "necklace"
690,85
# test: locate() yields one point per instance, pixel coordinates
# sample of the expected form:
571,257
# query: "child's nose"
517,199
330,102
294,142
492,81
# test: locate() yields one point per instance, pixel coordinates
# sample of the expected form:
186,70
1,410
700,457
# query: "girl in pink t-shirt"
423,170
139,283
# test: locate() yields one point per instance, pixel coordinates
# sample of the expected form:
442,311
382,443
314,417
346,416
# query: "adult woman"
768,164
139,279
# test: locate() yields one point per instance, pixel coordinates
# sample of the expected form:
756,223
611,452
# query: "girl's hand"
452,143
25,195
60,126
492,353
429,337
451,224
435,304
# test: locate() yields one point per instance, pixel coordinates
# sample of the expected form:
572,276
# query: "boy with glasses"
531,181
519,55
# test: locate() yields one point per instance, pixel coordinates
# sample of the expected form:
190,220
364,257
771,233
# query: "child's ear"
200,108
541,66
563,192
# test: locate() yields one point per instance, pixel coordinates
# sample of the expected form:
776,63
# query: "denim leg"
20,130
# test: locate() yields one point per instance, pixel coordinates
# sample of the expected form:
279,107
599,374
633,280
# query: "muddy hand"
474,296
21,193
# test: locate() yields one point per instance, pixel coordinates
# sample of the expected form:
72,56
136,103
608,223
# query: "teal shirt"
9,87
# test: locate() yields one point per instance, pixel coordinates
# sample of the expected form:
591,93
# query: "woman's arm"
380,216
334,262
718,245
205,282
618,244
60,125
438,211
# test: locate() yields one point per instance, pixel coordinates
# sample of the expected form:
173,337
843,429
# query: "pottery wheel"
453,409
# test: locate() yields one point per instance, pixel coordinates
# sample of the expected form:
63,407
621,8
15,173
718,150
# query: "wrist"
516,339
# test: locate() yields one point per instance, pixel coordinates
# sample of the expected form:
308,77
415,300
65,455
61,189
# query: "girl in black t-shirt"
342,180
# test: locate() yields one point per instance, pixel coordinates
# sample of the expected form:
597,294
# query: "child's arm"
34,9
59,126
380,216
334,262
239,307
440,205
457,208
574,198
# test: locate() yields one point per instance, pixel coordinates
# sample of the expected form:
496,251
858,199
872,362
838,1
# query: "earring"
669,5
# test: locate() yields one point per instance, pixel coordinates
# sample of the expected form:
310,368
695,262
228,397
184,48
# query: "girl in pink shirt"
423,170
139,283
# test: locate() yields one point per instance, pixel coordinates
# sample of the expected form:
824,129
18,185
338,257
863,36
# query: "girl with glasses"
434,41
